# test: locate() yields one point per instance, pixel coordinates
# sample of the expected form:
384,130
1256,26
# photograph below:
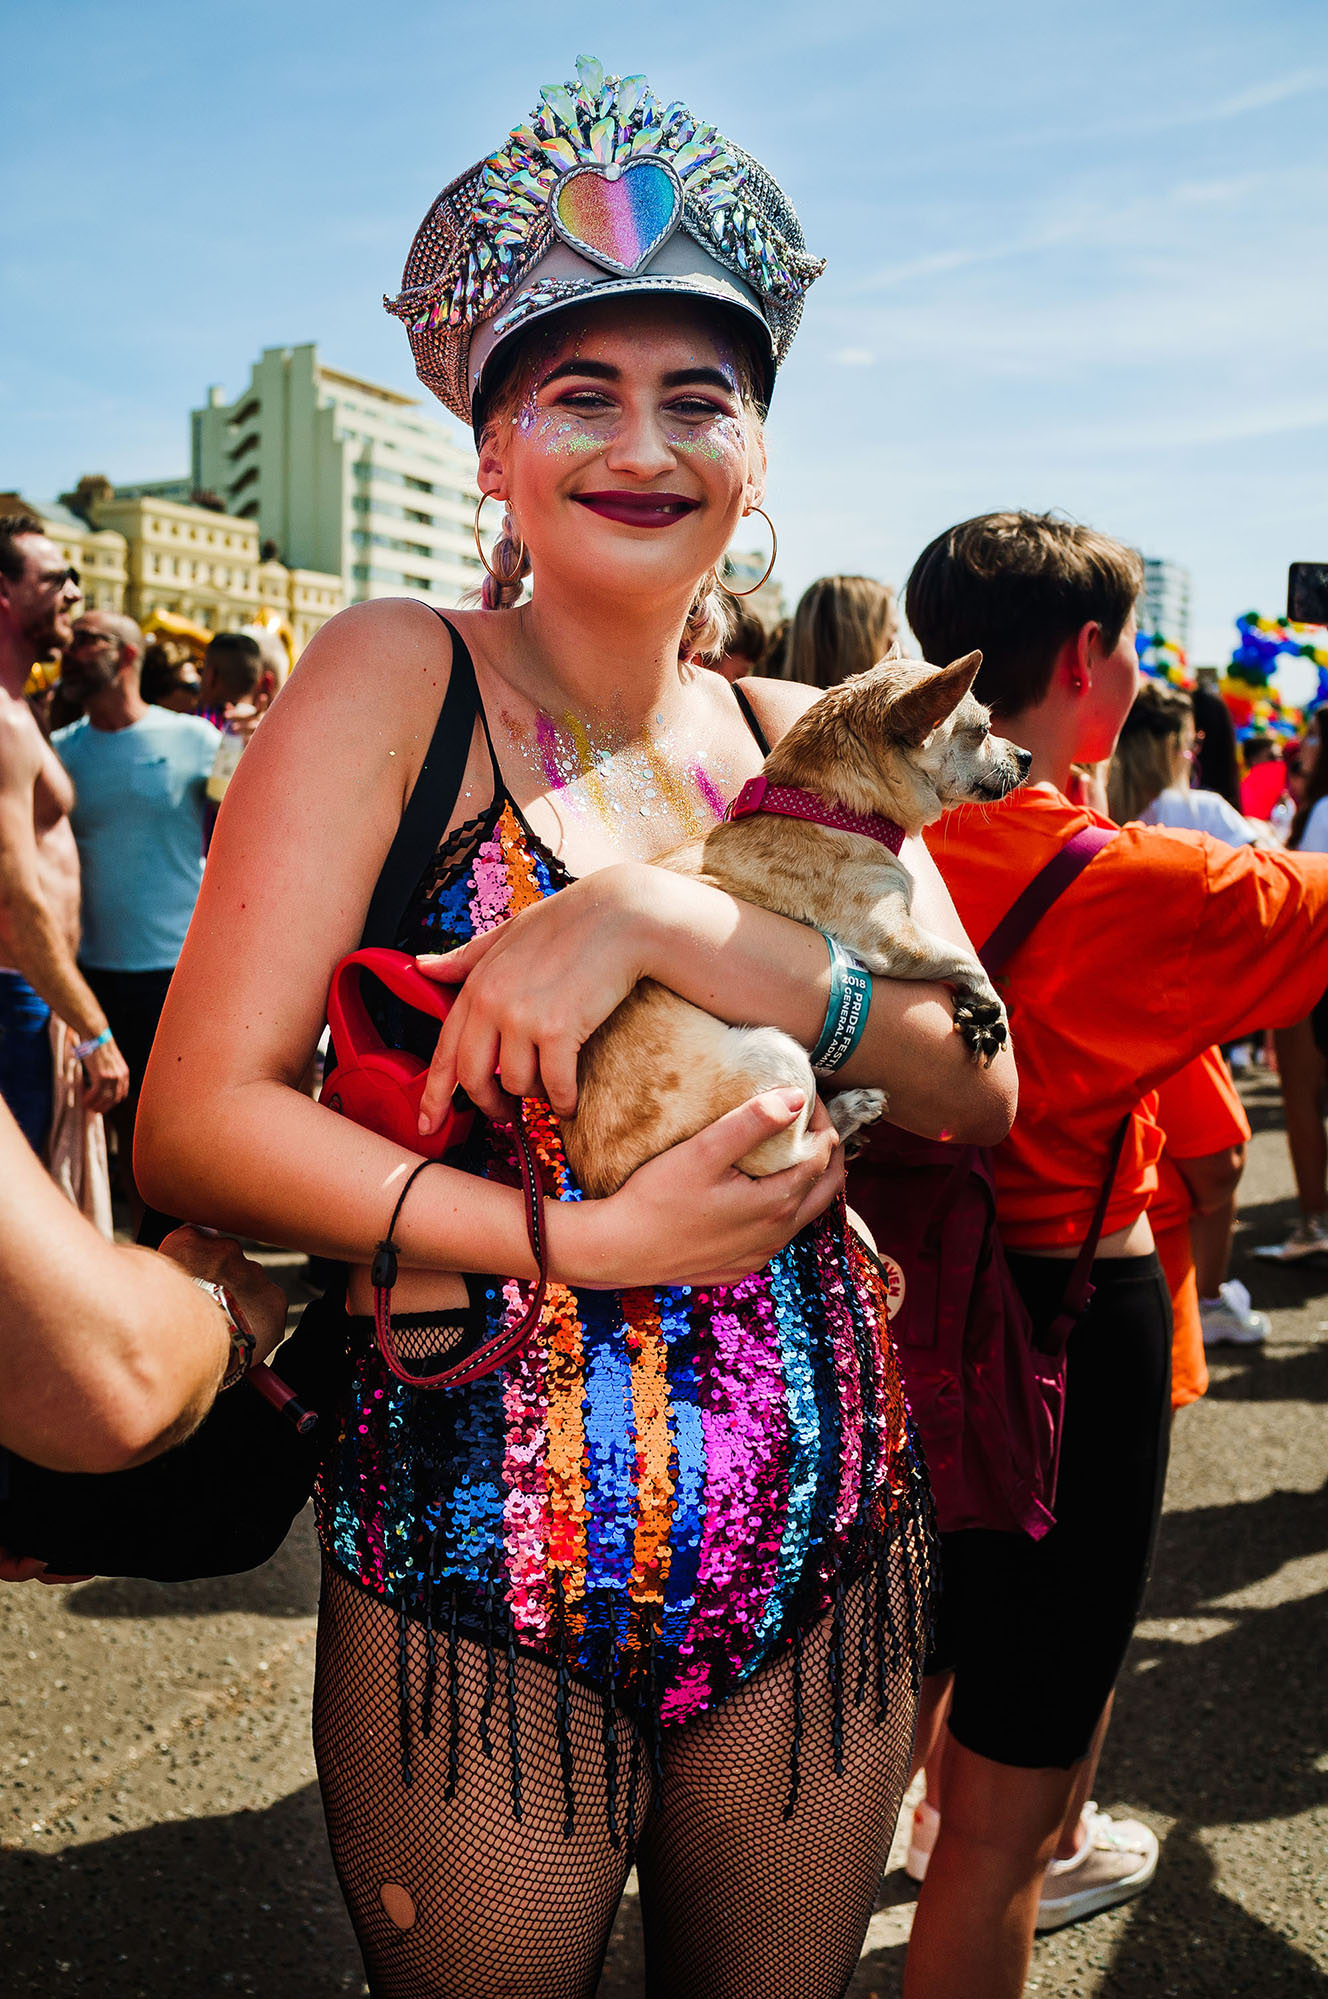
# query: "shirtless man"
39,880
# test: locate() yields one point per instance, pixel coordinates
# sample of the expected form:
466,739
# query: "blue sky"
1077,253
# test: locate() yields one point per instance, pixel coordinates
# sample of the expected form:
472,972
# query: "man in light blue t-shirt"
140,776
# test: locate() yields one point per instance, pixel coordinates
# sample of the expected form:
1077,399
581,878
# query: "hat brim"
563,281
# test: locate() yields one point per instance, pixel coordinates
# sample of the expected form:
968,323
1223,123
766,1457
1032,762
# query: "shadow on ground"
242,1903
1220,1951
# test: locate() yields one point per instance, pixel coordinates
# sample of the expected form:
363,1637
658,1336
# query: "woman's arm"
224,1133
538,988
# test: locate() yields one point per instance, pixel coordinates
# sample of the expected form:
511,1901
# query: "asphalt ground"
160,1833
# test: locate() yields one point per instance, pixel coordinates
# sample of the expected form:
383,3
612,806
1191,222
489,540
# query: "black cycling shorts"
1036,1632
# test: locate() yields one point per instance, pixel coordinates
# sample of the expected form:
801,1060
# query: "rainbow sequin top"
666,1487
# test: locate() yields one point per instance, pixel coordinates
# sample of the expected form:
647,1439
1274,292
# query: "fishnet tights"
738,1900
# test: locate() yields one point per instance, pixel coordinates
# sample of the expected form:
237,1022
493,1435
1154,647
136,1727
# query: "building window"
415,582
418,485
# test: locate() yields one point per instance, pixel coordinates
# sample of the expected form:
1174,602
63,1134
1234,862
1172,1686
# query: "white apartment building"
1164,602
344,475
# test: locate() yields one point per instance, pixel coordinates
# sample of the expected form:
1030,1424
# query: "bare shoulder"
390,642
21,746
368,684
777,704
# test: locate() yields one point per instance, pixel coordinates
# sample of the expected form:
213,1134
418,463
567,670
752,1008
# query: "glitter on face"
705,431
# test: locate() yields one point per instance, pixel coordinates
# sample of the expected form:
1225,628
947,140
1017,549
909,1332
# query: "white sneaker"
921,1840
1308,1238
1117,1859
1230,1319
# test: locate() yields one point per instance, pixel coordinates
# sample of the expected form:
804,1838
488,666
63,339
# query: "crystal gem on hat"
602,121
604,168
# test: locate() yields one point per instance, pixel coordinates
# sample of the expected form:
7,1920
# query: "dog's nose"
1023,758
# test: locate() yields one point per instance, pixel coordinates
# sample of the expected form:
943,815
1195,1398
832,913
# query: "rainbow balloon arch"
1277,676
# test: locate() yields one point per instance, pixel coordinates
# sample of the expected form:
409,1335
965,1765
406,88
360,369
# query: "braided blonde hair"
509,566
709,622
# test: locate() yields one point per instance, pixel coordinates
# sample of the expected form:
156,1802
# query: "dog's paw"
851,1111
980,1018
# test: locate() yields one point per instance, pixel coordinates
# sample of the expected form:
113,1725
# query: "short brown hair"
13,527
236,658
1018,585
843,625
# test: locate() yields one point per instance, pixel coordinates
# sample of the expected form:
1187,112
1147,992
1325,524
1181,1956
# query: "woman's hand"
535,989
690,1217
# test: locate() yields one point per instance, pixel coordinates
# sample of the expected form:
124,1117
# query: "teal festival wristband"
82,1049
846,1013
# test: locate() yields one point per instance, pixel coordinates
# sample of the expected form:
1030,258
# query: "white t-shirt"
1204,812
1314,840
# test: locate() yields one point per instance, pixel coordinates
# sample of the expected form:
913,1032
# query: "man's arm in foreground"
108,1355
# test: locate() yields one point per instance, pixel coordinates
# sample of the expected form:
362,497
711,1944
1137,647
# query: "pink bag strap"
1047,886
503,1345
1015,928
1079,1290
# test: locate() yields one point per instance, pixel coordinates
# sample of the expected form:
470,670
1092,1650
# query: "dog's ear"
924,706
893,651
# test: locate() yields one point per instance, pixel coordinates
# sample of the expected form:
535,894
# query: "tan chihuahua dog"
902,741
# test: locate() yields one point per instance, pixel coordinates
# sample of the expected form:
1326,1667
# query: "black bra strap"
430,804
749,716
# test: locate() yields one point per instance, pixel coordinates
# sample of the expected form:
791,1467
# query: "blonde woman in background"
1150,772
843,624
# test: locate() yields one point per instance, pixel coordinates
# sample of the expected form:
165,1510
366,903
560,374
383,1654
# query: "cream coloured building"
144,554
344,475
207,567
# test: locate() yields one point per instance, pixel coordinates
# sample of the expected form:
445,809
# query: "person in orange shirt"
1192,1214
1166,943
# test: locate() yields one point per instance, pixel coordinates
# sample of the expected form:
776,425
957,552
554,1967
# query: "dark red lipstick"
638,510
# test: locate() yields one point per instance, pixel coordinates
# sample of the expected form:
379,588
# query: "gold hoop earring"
479,545
774,552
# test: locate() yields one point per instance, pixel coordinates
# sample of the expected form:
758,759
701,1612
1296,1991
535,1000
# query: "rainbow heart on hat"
618,215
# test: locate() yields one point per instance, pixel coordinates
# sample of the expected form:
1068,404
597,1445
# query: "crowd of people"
666,1586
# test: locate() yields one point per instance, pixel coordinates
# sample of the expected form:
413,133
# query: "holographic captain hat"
603,192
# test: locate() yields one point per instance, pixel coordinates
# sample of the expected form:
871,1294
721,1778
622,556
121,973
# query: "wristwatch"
242,1340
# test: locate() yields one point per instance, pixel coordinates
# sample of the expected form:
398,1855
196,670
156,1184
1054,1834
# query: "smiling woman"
656,1587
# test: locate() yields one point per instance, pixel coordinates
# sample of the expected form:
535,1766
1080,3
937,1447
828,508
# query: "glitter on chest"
615,779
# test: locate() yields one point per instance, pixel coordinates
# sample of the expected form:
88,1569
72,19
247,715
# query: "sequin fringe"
876,1652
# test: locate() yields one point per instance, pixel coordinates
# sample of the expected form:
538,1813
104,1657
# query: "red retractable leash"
381,1089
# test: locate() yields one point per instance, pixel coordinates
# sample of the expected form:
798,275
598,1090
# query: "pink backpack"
988,1397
